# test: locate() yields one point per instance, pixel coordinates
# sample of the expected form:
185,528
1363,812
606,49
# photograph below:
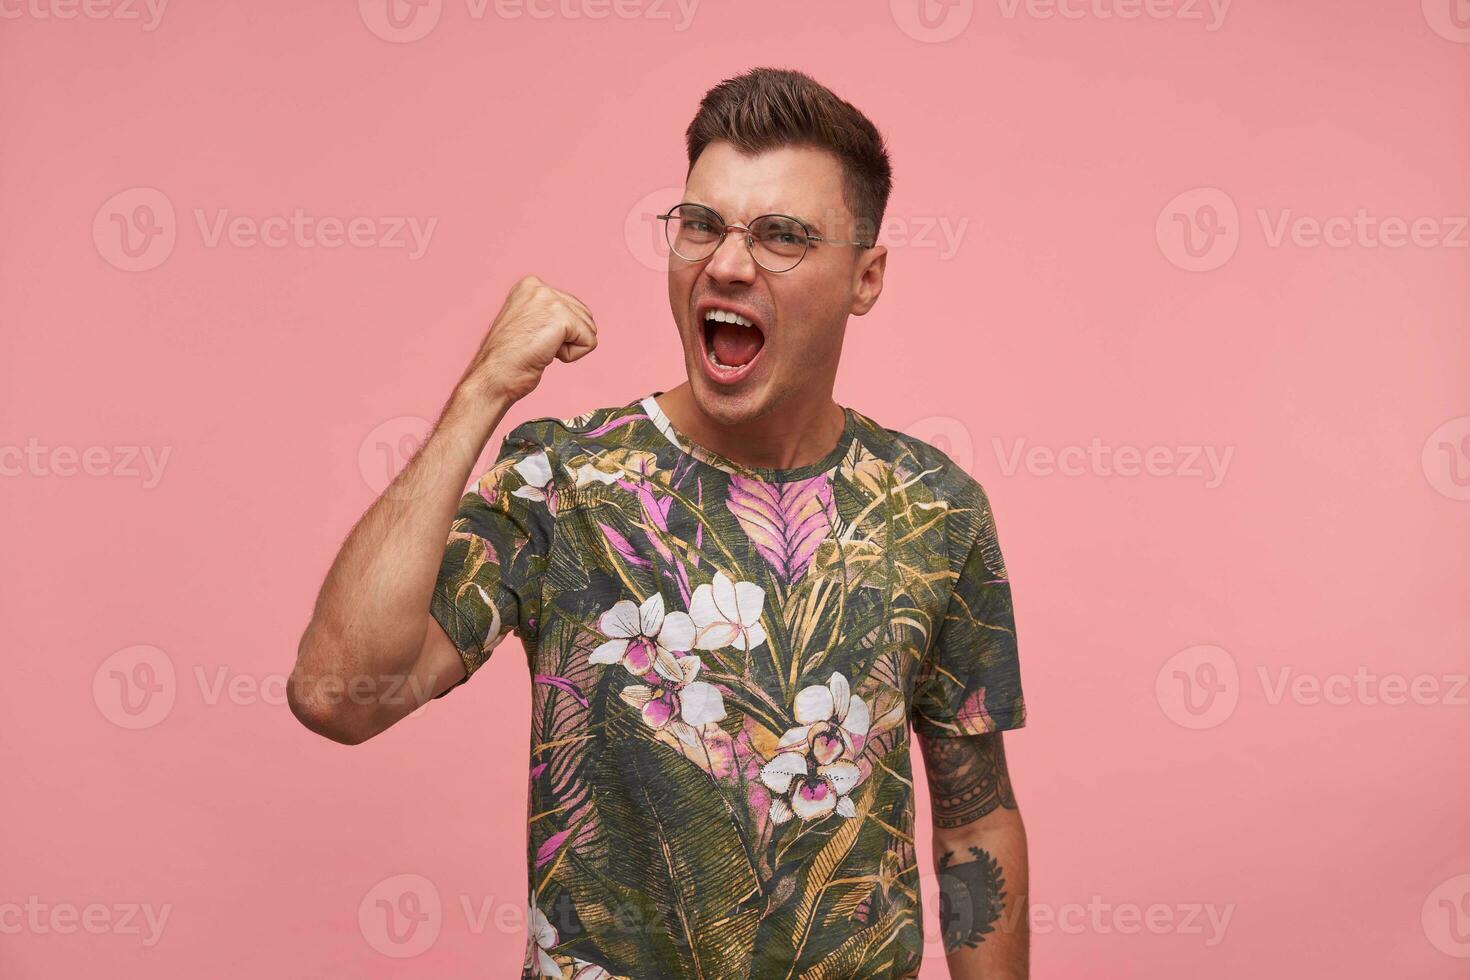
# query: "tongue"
735,345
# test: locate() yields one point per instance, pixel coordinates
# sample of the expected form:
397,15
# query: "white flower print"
542,938
814,770
588,474
727,614
535,469
644,639
695,703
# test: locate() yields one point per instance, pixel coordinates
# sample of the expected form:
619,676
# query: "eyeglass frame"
726,227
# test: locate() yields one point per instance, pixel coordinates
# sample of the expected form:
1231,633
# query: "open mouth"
732,342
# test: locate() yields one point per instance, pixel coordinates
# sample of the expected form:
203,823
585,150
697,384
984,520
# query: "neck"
798,433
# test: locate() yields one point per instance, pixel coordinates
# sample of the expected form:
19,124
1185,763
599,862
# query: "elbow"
317,698
325,719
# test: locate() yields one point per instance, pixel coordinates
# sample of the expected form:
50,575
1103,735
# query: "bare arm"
980,856
372,653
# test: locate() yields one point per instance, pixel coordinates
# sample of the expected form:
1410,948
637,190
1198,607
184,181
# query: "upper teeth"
725,316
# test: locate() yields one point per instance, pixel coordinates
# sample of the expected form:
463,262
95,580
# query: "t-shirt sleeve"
489,582
970,680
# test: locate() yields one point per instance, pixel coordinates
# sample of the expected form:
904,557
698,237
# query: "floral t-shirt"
726,663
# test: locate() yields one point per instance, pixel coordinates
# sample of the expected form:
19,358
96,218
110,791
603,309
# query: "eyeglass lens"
777,242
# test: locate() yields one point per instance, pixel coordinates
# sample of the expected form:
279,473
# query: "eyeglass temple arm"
838,241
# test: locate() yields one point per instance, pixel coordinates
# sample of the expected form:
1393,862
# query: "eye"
696,222
782,235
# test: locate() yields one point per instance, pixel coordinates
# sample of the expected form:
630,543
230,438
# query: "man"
736,597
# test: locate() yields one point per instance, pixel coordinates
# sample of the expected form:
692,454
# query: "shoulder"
567,434
919,464
930,477
591,447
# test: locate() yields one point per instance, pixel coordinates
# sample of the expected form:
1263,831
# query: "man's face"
799,315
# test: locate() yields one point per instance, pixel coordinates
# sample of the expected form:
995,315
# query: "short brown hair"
766,108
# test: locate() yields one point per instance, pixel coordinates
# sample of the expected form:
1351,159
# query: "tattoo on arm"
967,778
971,897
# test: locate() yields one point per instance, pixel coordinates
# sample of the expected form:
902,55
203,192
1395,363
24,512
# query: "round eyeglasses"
777,242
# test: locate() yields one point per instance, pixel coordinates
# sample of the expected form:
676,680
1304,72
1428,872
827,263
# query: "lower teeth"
721,364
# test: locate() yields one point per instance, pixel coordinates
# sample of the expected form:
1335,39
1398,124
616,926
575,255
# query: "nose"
732,261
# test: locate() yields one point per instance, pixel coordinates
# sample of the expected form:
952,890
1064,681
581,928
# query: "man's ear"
868,279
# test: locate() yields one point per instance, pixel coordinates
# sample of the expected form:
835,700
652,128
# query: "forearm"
368,626
371,625
983,887
979,857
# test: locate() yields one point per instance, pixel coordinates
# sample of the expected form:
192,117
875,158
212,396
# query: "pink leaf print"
973,719
785,521
565,685
548,850
622,546
656,512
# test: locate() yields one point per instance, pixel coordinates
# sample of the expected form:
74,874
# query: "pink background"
1332,832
